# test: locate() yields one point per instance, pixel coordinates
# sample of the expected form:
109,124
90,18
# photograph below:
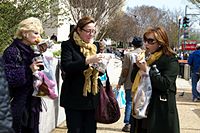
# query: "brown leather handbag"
108,110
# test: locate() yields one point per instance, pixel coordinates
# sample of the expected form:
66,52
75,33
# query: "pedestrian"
5,112
125,79
19,70
79,93
53,37
162,67
194,62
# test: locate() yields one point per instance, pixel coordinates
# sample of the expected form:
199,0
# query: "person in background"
162,67
79,92
194,62
19,69
53,37
5,112
125,79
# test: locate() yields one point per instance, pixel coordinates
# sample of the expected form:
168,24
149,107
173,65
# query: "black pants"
138,125
81,121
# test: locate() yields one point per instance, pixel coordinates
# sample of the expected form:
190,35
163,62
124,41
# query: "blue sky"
166,4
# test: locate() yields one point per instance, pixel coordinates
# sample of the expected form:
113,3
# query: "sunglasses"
149,40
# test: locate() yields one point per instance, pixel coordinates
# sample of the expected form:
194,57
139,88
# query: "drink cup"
39,59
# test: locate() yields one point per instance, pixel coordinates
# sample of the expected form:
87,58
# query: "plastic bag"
44,81
120,96
102,65
142,98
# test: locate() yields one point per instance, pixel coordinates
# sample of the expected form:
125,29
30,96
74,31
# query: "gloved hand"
94,59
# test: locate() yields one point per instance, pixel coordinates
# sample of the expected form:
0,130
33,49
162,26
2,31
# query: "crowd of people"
80,92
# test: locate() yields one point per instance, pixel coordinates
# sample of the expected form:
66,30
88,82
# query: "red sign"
189,44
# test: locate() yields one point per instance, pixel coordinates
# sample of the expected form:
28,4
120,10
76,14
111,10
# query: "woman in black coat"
162,67
79,94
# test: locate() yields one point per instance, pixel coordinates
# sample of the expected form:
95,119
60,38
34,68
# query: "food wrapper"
102,65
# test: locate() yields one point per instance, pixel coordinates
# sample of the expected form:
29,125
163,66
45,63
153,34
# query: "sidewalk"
189,112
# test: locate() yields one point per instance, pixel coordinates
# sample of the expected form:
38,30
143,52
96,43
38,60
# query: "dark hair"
81,24
137,41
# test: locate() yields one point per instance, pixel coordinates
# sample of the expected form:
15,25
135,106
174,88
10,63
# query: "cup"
40,59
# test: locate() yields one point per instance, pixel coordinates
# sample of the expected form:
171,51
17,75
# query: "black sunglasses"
149,40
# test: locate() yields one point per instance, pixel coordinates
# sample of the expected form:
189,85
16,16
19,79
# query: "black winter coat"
5,112
73,64
163,116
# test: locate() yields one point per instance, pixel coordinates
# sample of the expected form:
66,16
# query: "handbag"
107,110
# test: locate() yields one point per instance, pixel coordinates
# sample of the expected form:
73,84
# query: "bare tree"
101,10
121,28
195,2
136,20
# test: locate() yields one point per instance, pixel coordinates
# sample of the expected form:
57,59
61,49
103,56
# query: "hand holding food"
141,56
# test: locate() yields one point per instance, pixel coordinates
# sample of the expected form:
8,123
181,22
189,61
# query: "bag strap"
107,82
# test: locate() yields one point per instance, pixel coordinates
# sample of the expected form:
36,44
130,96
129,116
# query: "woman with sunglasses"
79,92
162,67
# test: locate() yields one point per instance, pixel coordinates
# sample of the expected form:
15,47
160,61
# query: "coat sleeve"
14,67
165,78
125,69
190,59
5,114
72,62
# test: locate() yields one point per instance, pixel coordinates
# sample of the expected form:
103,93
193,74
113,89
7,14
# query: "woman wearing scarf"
162,67
79,93
19,69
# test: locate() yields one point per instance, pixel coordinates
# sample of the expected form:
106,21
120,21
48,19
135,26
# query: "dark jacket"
194,61
5,113
162,115
25,108
73,64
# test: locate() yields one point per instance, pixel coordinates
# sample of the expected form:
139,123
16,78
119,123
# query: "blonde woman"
19,68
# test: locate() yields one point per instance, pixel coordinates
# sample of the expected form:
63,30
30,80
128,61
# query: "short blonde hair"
29,24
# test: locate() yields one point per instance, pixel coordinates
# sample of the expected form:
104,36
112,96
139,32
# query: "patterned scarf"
151,59
88,49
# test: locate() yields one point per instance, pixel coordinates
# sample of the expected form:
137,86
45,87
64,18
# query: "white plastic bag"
120,96
48,77
142,97
198,86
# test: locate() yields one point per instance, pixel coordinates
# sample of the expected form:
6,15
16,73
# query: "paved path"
189,112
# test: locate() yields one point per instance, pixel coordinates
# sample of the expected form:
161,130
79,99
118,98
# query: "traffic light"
186,22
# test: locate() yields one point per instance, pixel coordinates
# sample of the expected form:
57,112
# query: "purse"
108,110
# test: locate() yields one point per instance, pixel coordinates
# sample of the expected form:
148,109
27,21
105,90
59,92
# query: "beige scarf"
88,49
135,85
